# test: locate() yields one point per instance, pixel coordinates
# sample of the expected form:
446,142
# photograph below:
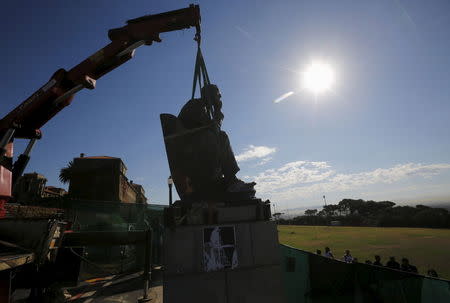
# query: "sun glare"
318,77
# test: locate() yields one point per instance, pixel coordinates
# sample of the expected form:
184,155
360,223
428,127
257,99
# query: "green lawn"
424,247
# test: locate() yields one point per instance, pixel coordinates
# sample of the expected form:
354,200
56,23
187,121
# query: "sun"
318,77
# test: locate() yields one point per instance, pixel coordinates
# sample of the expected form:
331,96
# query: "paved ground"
108,289
120,288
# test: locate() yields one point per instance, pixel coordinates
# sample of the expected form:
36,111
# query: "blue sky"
382,133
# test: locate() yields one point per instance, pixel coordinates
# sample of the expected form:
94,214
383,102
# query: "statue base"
222,252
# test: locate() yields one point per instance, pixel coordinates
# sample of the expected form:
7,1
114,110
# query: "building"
103,178
53,192
140,193
29,188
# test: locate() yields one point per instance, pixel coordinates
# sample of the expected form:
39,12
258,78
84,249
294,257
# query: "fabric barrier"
312,278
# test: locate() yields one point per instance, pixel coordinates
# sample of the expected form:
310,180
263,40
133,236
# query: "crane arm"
27,118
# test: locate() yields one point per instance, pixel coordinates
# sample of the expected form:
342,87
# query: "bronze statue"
200,156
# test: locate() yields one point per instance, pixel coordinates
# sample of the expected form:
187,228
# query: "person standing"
328,253
393,264
408,267
377,261
347,258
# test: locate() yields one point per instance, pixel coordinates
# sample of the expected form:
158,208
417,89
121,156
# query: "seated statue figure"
200,156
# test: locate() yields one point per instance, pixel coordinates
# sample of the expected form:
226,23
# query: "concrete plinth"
223,262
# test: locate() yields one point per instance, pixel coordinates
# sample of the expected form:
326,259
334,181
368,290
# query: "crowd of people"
392,263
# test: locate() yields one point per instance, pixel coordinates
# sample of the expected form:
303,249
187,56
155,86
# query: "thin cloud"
283,97
407,17
264,161
292,174
255,152
244,32
305,179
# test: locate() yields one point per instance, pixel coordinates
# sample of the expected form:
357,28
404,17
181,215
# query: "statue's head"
211,94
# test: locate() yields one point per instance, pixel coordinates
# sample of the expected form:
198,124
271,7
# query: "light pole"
170,183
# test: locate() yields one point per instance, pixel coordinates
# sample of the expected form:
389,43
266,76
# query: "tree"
430,217
351,206
422,207
66,173
311,212
329,210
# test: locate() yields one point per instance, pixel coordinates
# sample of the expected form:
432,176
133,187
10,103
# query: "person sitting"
393,264
377,261
328,253
209,159
347,258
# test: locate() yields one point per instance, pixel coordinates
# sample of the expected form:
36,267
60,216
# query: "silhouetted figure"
328,253
215,162
432,273
393,264
408,267
377,261
347,258
318,252
368,262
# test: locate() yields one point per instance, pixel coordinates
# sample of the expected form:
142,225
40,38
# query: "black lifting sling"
209,92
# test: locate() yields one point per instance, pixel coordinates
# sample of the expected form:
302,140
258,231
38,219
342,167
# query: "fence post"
147,265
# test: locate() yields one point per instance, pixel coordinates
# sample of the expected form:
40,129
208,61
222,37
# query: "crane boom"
26,119
41,106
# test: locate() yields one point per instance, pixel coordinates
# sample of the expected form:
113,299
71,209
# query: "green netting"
312,278
296,274
435,291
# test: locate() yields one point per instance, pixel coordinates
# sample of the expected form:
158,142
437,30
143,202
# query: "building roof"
98,157
55,190
101,158
34,174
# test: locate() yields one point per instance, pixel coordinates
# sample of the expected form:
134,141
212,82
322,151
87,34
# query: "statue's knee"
224,137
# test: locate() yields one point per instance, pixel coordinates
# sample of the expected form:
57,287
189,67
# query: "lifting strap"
201,76
208,91
200,72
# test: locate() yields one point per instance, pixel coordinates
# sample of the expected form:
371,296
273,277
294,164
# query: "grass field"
424,247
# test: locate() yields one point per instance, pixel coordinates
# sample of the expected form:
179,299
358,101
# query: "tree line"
370,213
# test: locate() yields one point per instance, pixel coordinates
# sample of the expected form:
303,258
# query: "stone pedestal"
234,259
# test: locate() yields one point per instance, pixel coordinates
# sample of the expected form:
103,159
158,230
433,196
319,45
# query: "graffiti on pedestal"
219,248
